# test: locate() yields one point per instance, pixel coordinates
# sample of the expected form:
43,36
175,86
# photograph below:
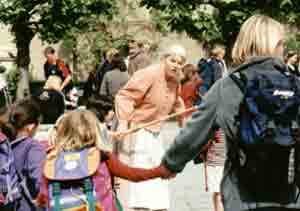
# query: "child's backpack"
266,154
9,181
202,63
70,180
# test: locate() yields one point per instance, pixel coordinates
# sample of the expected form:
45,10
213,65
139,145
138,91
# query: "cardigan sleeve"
132,94
119,169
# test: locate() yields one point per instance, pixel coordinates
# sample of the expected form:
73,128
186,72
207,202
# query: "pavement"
187,189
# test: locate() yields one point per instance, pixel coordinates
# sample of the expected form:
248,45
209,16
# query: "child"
215,160
78,132
20,125
190,85
51,100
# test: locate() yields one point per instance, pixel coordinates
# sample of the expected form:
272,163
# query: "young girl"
20,125
78,131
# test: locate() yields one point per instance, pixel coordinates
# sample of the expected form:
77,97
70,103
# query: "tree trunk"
23,35
75,63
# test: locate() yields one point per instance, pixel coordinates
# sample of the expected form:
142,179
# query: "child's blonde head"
259,36
76,130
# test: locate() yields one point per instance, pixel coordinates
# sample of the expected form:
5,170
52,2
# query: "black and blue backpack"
266,154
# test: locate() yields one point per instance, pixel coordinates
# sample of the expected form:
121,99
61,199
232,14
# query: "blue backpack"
266,154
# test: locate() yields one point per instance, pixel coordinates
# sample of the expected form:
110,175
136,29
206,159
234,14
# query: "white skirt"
152,194
214,177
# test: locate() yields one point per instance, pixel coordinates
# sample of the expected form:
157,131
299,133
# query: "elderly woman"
259,52
150,94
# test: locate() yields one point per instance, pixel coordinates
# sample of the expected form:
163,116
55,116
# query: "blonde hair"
259,36
217,50
111,53
53,82
76,130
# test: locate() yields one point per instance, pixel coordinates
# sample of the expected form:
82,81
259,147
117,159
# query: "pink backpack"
78,181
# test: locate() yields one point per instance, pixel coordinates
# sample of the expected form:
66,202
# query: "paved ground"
187,189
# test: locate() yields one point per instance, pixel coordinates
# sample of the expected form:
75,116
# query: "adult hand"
165,173
122,128
119,136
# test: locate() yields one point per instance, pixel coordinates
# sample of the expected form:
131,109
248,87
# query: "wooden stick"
133,130
205,175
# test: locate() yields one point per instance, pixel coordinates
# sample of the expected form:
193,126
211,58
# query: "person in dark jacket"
291,59
259,47
20,125
114,79
51,100
105,67
213,69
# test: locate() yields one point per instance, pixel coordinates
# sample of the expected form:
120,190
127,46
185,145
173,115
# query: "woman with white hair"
150,94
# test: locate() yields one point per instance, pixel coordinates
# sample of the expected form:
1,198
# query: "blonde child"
77,133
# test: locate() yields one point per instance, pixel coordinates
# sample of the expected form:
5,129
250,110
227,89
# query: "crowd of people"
242,123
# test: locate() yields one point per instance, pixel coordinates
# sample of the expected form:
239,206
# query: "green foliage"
52,20
218,20
293,43
55,19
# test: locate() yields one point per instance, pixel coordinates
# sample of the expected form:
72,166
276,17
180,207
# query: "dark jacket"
52,105
29,157
293,69
100,72
220,107
211,72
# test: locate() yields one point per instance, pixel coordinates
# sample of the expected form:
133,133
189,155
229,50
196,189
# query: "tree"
213,21
86,46
51,20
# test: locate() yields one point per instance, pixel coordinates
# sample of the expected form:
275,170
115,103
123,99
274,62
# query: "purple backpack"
9,182
75,181
13,185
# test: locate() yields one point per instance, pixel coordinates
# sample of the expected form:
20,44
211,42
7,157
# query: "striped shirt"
216,152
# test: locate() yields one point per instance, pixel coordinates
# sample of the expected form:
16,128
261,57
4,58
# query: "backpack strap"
240,80
56,195
23,182
88,189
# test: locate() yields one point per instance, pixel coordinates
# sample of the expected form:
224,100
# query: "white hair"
176,50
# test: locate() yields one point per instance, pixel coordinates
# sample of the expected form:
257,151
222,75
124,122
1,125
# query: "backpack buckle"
270,129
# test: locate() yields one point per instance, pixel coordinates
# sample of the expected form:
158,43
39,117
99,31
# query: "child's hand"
117,135
122,128
165,173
